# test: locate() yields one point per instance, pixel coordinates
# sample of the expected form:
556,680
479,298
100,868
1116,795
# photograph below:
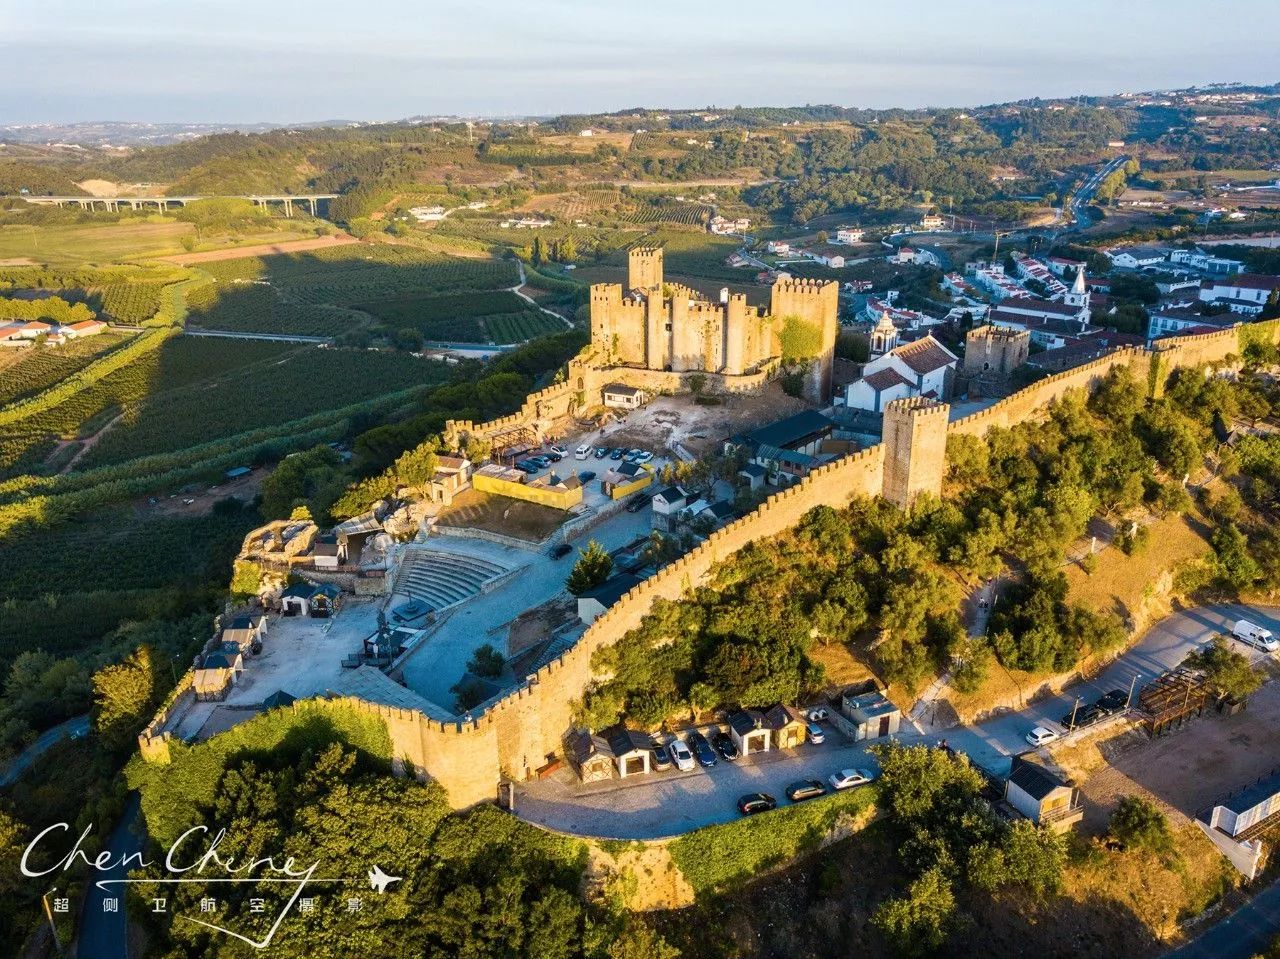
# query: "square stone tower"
991,354
915,455
644,268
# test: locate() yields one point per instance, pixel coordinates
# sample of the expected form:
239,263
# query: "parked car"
681,755
617,454
643,456
554,456
561,551
637,502
526,466
752,803
1115,701
702,749
1041,736
848,778
541,462
725,746
586,476
582,452
816,735
805,789
1254,635
560,451
1084,716
602,452
661,756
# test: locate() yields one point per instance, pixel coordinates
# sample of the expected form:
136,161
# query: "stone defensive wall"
515,734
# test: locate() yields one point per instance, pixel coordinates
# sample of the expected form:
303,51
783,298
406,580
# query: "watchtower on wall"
644,268
815,304
991,354
915,454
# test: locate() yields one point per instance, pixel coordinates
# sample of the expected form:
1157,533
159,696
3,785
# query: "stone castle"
668,328
522,731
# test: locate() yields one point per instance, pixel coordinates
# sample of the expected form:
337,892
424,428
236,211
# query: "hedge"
717,857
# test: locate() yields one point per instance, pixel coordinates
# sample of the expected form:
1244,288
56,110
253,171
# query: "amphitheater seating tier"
441,579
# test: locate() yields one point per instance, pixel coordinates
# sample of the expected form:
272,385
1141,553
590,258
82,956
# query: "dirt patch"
1191,768
100,188
644,874
244,489
1126,584
700,429
841,664
263,249
19,261
534,625
501,514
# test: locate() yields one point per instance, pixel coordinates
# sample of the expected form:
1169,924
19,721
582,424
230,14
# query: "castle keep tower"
915,455
644,268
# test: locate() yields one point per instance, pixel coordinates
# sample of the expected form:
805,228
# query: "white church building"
921,368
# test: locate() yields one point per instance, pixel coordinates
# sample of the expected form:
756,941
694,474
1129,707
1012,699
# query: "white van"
582,452
1255,636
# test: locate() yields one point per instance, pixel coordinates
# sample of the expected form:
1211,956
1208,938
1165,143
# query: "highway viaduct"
114,203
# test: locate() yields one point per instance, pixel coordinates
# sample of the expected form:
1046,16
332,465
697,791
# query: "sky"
283,61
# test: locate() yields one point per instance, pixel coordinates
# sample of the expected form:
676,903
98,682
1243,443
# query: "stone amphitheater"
441,579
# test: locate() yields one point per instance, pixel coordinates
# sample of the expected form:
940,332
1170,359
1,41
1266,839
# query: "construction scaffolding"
1171,699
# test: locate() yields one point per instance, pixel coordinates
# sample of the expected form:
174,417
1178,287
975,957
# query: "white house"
618,396
923,368
1042,796
667,504
849,236
1205,262
777,246
1137,257
1244,293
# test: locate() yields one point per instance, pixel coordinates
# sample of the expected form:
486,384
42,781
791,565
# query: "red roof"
1251,281
925,355
884,379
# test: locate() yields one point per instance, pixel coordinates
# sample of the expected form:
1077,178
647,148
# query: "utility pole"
1073,713
1128,700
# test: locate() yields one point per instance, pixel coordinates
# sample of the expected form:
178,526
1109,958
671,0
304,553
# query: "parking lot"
670,802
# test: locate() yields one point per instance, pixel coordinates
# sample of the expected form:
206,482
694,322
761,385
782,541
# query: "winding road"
72,728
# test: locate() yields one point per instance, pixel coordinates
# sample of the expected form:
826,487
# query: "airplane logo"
379,880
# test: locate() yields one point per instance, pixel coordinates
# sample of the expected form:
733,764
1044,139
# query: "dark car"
725,746
702,749
661,756
553,456
540,461
805,789
637,503
1085,716
752,803
1116,701
561,551
617,454
525,466
586,476
602,452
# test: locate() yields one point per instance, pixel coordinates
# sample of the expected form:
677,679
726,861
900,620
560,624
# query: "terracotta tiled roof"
925,356
882,380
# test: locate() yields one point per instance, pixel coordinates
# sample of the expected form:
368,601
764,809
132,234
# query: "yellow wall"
618,492
542,495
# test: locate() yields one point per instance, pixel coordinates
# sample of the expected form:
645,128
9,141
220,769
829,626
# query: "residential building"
922,368
632,750
789,448
778,246
1198,259
932,221
1041,795
84,328
667,504
724,226
1184,321
620,397
1064,267
626,478
1237,824
1137,257
871,713
849,235
1245,293
1000,287
590,755
1030,269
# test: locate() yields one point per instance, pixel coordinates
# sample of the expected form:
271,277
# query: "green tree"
417,466
1228,672
593,567
486,661
1136,823
918,923
123,696
1236,568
